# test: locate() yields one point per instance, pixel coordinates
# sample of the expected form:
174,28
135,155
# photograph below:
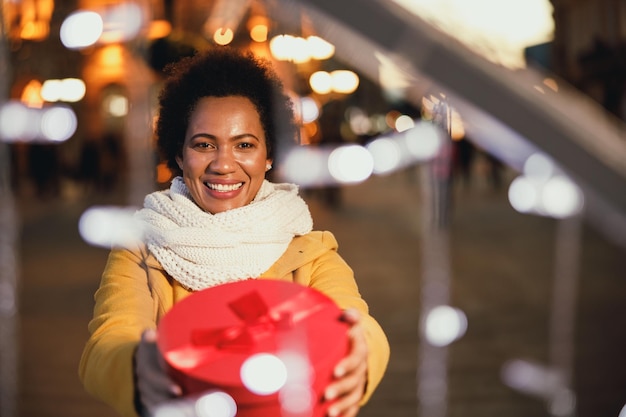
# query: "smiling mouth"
223,188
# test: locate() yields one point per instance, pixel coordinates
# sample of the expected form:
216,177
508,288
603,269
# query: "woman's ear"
268,165
179,161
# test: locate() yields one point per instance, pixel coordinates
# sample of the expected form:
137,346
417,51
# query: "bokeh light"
108,226
309,109
58,123
561,197
297,397
18,122
539,166
81,29
115,105
319,48
444,325
300,50
531,378
386,154
122,22
258,33
544,191
223,36
306,165
403,123
321,82
350,164
69,89
215,404
423,141
523,195
263,374
344,81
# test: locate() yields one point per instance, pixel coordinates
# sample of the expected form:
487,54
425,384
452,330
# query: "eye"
246,145
203,145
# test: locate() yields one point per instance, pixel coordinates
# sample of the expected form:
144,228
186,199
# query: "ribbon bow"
259,322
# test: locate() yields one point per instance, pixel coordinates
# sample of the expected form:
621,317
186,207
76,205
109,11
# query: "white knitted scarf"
200,249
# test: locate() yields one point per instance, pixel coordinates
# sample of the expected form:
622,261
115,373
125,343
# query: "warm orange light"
35,19
111,56
35,31
159,29
259,33
31,95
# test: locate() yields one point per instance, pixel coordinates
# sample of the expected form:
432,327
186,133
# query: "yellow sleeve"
123,310
331,275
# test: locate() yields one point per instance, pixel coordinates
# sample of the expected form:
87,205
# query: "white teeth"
224,187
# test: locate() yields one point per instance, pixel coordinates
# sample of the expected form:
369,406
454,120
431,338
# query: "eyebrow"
237,137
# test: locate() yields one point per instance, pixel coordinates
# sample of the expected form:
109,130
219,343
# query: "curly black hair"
221,72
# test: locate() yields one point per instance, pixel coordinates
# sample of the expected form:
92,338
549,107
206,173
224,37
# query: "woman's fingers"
348,388
153,383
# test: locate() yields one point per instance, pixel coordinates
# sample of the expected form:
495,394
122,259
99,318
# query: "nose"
223,161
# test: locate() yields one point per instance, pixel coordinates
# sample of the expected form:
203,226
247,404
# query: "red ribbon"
259,322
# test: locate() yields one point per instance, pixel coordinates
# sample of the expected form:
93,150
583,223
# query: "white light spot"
58,123
344,81
538,166
172,410
296,398
532,378
386,155
403,123
305,165
122,23
81,29
299,50
310,110
51,90
321,82
109,226
263,374
18,122
444,325
561,197
320,48
216,404
523,195
622,413
116,105
350,164
423,141
73,90
223,36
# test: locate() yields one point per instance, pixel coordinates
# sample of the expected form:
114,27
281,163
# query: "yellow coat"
135,292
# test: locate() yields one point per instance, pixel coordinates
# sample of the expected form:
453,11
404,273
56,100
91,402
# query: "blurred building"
589,49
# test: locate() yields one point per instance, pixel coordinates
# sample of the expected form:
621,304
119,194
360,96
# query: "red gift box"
270,345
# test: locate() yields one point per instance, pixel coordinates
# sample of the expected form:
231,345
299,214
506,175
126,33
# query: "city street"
501,274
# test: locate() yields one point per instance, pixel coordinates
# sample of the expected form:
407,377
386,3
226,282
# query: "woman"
221,114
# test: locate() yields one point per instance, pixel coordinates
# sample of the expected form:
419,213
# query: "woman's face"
224,156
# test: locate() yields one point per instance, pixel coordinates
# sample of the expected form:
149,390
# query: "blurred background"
469,156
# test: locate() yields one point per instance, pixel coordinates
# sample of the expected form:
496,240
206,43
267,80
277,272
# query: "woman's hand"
154,387
350,373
